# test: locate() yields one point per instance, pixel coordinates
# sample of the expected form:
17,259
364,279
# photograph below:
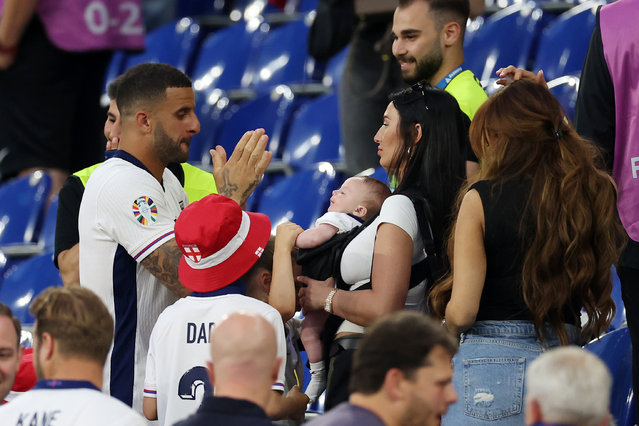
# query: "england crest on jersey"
192,252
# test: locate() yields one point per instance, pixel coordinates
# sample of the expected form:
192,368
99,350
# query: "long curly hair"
521,133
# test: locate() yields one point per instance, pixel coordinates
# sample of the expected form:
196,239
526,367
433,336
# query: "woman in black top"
534,241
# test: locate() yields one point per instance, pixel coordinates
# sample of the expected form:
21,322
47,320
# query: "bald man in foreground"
243,368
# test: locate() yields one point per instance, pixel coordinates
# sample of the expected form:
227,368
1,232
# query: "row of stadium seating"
254,74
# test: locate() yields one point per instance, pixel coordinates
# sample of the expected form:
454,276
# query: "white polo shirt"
125,215
69,403
180,347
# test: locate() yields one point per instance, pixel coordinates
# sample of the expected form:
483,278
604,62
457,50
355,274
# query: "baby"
358,199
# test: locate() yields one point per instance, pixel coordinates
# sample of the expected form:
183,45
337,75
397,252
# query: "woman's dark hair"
435,166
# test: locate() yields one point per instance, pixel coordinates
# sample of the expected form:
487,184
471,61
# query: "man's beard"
426,67
167,149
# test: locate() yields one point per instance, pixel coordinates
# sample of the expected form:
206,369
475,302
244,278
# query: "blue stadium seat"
305,5
564,42
315,135
22,204
249,9
219,67
377,173
620,316
615,350
47,235
505,38
565,90
26,280
4,264
300,198
335,68
174,43
223,56
113,70
282,58
269,179
269,111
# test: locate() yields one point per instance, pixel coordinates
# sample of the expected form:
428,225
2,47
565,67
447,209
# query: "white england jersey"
125,215
179,349
69,403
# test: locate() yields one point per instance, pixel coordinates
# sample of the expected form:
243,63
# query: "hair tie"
558,134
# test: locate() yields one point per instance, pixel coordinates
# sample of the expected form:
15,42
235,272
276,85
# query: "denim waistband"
516,329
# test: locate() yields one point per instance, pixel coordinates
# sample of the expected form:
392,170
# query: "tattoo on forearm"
250,189
227,188
163,263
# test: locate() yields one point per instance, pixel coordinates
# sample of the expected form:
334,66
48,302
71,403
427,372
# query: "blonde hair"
77,319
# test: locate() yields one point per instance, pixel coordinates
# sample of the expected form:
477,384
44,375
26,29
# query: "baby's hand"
286,234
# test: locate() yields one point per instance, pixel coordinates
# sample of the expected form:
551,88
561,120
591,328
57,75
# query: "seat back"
270,111
565,90
378,173
282,58
315,134
174,43
335,68
223,56
620,315
22,204
564,42
26,280
47,235
505,38
615,349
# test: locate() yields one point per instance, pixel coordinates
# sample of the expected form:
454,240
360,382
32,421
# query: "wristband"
328,303
9,50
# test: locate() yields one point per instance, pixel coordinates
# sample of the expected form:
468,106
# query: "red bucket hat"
219,242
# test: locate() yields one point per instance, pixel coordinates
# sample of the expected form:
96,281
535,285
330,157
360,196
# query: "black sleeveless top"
506,245
502,297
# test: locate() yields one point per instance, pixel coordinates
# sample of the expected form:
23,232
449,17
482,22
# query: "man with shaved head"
243,367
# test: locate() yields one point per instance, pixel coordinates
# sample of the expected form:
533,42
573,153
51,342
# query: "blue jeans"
490,370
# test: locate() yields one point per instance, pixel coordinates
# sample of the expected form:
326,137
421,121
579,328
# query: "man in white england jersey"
128,255
220,243
72,336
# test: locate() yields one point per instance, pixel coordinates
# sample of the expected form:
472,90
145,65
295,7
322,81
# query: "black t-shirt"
66,227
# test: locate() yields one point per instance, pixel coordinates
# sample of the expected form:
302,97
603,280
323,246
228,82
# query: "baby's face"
351,195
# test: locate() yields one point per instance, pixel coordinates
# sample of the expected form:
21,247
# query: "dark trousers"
339,371
50,112
629,278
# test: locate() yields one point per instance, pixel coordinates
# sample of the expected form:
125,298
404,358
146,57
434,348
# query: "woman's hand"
314,293
511,73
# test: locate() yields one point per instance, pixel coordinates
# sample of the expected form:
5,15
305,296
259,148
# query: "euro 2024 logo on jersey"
144,210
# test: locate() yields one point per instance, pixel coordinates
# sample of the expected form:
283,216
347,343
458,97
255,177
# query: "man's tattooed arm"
226,187
163,264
